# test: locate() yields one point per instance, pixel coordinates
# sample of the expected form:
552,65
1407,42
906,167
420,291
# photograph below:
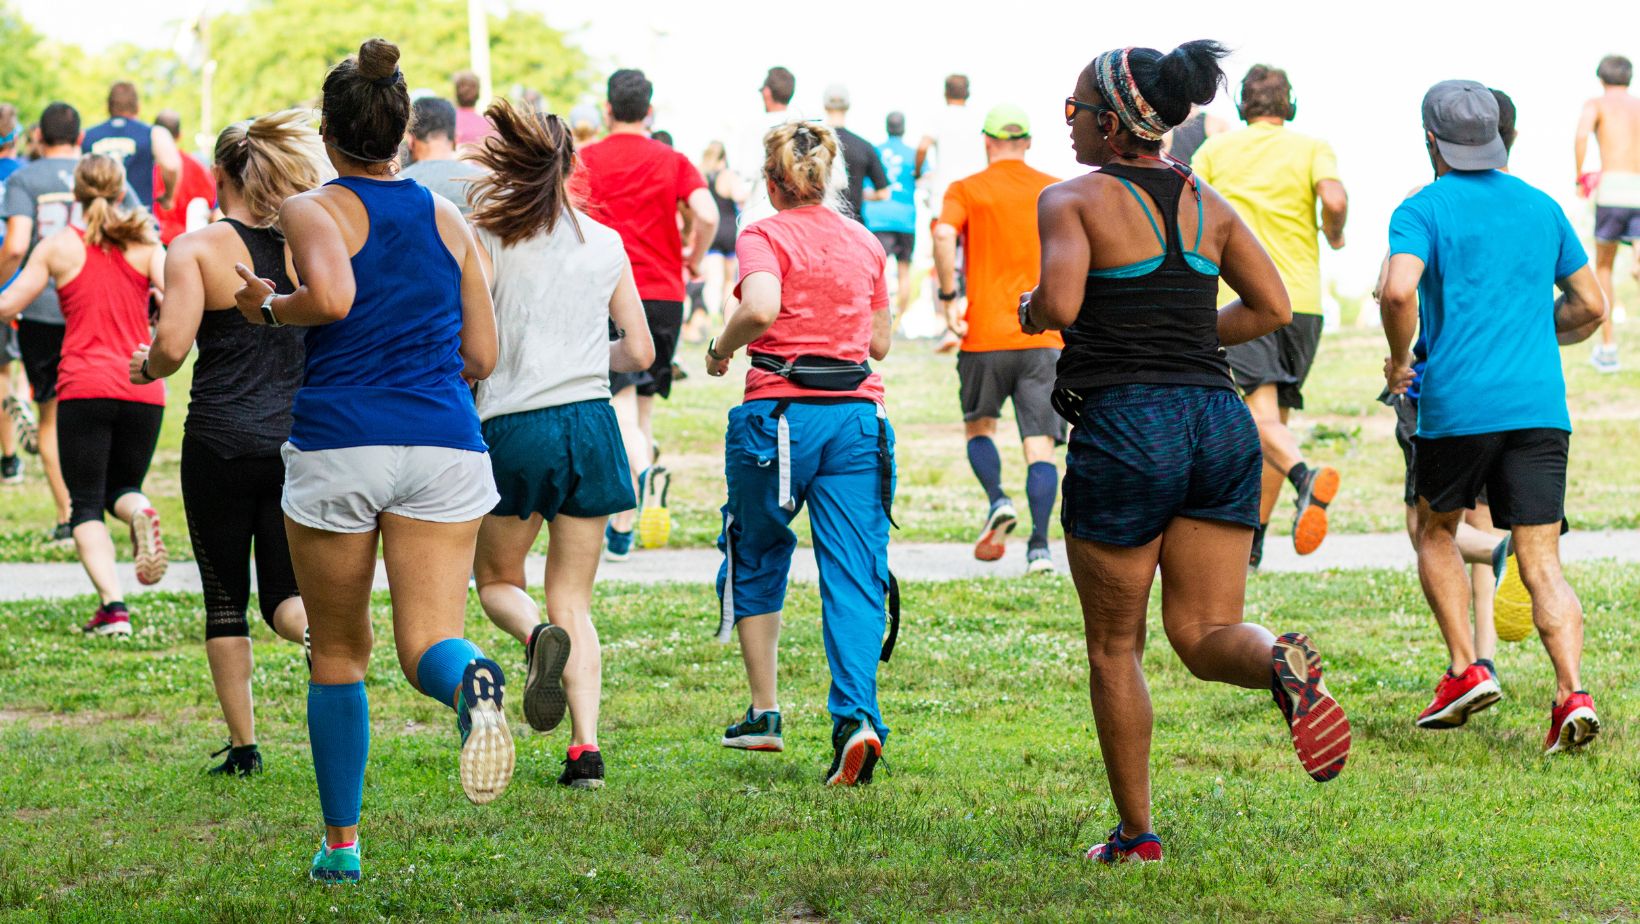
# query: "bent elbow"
643,357
944,234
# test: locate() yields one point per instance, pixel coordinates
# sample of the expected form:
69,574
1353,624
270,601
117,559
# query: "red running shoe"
147,546
1457,697
1146,848
1572,724
110,619
1321,732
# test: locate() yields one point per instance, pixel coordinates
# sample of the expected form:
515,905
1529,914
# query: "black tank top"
728,216
246,375
1188,137
1154,322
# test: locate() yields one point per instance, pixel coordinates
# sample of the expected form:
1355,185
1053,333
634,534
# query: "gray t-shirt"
443,178
43,191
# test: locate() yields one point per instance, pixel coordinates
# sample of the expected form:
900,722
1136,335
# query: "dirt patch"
44,718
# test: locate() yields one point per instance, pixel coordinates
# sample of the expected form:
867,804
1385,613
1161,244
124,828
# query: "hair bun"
377,58
1194,69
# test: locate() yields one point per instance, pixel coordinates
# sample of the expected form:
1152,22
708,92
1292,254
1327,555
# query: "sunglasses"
1072,104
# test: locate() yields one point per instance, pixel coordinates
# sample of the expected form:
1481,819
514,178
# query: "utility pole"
478,46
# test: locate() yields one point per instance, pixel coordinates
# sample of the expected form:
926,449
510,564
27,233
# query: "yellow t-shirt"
1269,172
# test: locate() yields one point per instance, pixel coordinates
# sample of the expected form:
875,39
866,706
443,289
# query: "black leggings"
105,445
233,503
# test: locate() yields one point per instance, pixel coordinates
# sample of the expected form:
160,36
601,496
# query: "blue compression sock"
339,734
439,671
987,465
1041,489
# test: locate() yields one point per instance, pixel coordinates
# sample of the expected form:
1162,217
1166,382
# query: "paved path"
911,562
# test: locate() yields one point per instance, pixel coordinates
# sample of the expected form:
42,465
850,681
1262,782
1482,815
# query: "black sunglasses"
1072,104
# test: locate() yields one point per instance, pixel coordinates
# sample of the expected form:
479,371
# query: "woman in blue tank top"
384,441
1164,462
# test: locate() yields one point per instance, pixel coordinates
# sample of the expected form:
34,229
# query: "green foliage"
25,80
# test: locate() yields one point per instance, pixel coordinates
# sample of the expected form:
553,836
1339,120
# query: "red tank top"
106,309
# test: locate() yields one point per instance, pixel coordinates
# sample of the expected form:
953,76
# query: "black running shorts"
1522,471
42,347
1281,358
898,244
665,326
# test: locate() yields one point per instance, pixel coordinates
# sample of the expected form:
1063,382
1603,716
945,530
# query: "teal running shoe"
486,743
336,864
855,752
759,734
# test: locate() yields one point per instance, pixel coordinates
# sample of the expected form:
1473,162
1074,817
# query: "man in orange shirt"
994,211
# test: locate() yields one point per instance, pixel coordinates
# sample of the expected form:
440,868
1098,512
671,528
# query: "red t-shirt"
472,127
831,285
196,183
634,185
106,309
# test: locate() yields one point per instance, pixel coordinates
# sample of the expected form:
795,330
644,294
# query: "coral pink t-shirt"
831,286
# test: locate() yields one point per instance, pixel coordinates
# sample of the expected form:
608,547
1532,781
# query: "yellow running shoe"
654,520
1511,603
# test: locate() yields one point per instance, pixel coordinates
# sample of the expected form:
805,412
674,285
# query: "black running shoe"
584,772
11,469
241,761
1257,558
544,699
62,532
855,750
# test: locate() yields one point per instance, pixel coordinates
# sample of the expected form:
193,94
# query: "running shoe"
1459,696
336,864
147,546
1511,601
486,743
993,539
1256,558
11,469
1321,733
110,619
546,654
759,734
62,532
948,343
617,544
307,647
679,373
1572,724
583,772
1604,359
1038,560
1146,848
241,761
654,520
855,750
22,419
1491,670
1316,489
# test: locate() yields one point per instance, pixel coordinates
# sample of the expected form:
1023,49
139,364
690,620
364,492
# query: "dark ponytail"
366,104
1189,74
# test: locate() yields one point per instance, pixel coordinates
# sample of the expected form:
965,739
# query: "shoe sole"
1486,694
654,527
993,541
859,759
113,628
1320,730
28,431
1512,604
754,743
1577,730
544,698
585,784
1310,530
1042,566
487,755
148,547
334,876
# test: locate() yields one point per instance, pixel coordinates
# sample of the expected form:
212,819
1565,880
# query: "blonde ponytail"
99,185
804,161
271,158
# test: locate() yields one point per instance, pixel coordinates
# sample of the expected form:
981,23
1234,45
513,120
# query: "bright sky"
1359,69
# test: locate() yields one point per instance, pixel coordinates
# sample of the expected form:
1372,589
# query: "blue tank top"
132,143
389,374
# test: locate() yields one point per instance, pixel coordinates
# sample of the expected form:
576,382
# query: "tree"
25,80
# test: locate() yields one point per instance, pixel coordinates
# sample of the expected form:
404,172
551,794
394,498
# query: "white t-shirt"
959,150
551,297
757,206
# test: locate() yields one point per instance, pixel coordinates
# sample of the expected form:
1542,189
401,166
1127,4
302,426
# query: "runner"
859,157
958,152
191,207
559,280
1472,257
109,426
728,192
146,151
1164,460
1183,142
1275,177
14,425
894,218
1614,120
812,429
636,186
778,87
587,122
39,203
384,442
433,152
471,128
239,412
994,211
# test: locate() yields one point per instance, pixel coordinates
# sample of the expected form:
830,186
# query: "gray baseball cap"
1463,117
836,97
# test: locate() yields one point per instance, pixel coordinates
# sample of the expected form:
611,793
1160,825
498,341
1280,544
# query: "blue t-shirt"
899,211
1493,248
133,143
8,166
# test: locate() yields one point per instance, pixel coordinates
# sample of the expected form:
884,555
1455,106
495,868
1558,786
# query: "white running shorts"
345,490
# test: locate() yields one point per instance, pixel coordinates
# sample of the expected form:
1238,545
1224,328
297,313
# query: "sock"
439,671
342,846
114,606
576,751
758,713
339,734
987,465
1041,489
1296,473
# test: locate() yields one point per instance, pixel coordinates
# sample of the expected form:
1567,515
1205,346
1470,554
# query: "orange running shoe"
1316,490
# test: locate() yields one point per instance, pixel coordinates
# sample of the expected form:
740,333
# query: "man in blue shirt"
1474,257
138,145
894,220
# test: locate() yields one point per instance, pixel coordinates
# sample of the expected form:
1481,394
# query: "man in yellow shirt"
1275,178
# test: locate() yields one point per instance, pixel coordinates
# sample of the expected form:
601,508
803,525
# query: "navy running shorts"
1614,224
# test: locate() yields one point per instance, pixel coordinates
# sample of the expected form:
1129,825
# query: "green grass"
938,499
996,786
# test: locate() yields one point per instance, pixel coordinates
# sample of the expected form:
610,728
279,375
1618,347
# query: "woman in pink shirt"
812,429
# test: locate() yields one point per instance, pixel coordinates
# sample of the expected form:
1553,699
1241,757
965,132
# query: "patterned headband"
1115,79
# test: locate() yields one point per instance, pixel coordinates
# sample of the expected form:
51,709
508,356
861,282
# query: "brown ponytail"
799,157
529,159
271,158
99,187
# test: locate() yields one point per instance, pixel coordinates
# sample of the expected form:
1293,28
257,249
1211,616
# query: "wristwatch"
948,296
711,350
267,312
1025,315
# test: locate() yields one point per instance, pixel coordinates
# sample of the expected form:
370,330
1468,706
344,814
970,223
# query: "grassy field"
995,790
939,500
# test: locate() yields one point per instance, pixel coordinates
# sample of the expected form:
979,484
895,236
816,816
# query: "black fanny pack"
821,373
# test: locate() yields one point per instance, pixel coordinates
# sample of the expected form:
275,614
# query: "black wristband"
145,373
711,350
948,296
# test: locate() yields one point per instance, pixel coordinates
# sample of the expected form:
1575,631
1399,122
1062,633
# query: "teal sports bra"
1194,259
